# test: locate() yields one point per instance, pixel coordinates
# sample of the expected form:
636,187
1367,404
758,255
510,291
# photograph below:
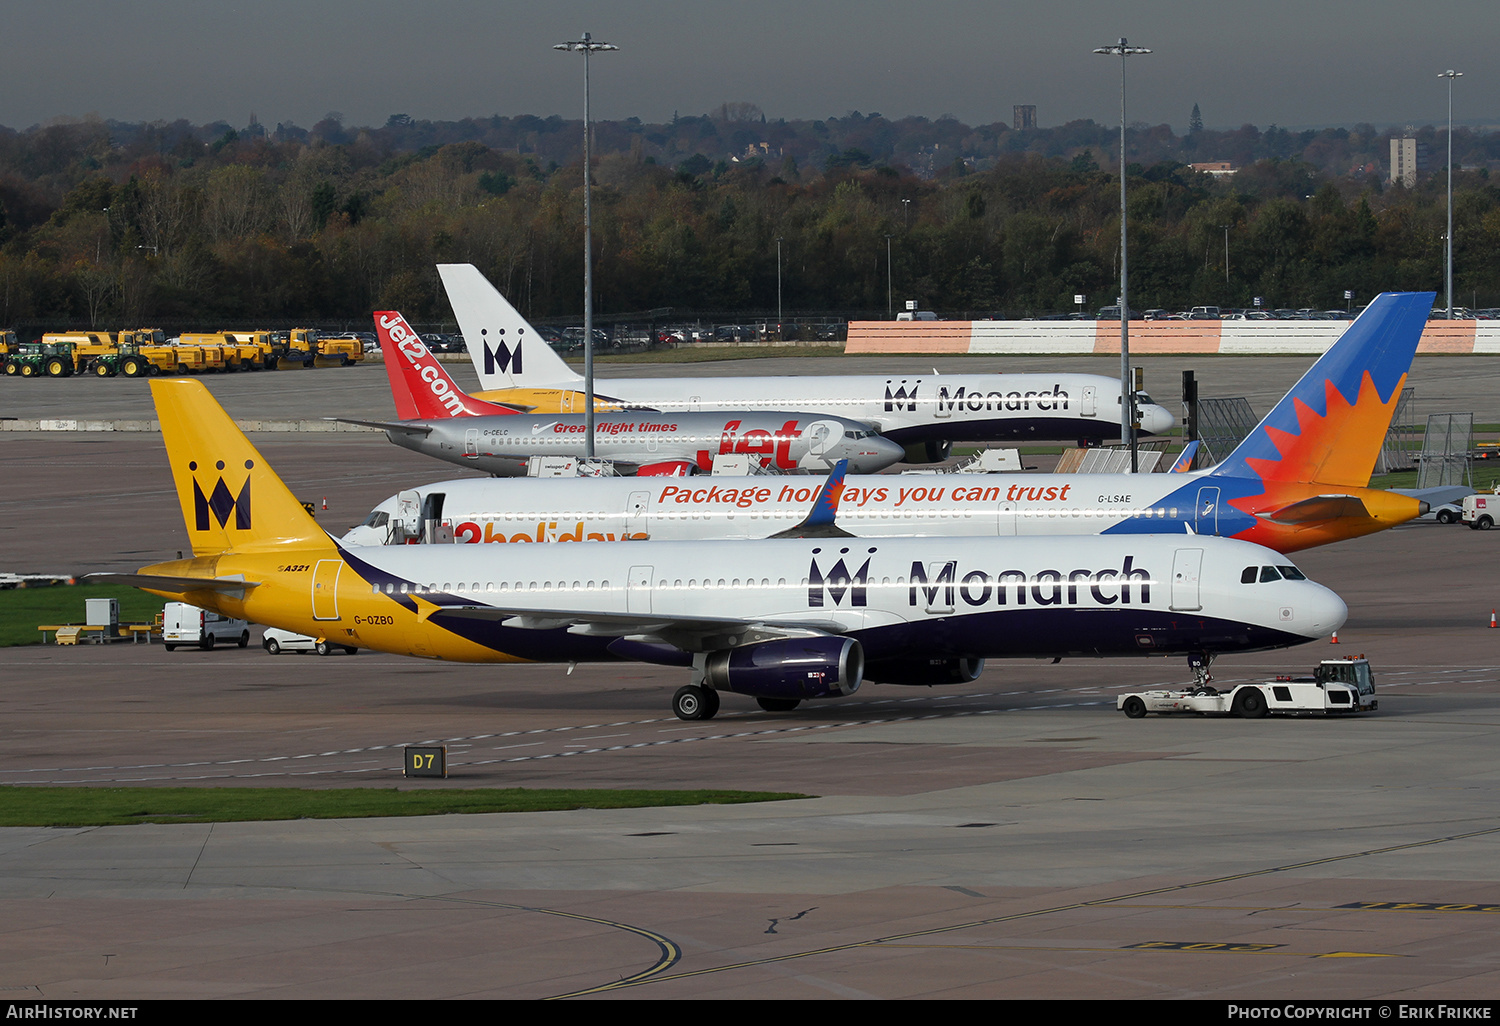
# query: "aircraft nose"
1319,611
1156,420
888,453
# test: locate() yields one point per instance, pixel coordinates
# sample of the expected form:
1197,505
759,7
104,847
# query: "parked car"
278,641
182,624
1447,513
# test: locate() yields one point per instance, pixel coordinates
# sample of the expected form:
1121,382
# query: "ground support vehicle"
265,349
338,352
100,354
162,356
1337,686
184,624
1480,511
9,345
277,641
296,348
210,357
31,359
221,352
127,361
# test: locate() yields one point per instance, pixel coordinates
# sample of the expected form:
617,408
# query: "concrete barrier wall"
1077,338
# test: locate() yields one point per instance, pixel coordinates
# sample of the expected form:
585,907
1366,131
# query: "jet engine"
793,669
924,672
928,452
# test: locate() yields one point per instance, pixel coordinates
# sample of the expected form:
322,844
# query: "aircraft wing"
658,468
159,582
691,634
387,425
1317,509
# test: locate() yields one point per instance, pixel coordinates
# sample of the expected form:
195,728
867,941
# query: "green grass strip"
118,806
23,609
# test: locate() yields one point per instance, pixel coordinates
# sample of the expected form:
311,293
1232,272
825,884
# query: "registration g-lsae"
425,761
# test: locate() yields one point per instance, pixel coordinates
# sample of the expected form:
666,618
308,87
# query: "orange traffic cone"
1335,639
1492,619
325,502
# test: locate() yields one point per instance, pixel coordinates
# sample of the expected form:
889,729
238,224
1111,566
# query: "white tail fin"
507,352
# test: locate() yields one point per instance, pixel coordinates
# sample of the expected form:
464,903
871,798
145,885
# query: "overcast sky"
1275,61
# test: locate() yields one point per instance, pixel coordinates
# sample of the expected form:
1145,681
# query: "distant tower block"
1023,115
1408,159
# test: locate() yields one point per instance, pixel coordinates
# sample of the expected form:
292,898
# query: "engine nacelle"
928,452
796,668
924,672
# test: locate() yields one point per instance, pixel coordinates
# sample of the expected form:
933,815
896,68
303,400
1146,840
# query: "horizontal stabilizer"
160,582
1317,509
387,425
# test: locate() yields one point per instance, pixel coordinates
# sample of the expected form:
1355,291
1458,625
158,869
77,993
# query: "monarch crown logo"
498,354
220,502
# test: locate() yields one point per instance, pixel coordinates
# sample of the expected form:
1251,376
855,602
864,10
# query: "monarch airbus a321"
1298,480
777,620
924,414
439,419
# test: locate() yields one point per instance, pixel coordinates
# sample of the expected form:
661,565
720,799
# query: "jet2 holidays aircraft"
1297,481
779,621
439,419
924,414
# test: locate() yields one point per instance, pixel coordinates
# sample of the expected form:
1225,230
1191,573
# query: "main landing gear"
695,703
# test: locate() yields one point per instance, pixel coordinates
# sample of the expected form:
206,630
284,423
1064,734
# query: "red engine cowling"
796,668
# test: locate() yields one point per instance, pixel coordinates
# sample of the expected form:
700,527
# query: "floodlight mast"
1123,49
1450,75
586,46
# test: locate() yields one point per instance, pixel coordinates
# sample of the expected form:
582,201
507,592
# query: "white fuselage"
609,509
978,597
782,442
908,409
913,409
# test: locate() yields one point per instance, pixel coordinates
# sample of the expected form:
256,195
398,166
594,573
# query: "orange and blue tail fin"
1330,427
1184,462
821,519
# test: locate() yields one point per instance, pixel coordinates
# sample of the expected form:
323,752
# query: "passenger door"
1187,566
325,589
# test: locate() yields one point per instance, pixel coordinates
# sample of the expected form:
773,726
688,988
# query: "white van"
182,624
1480,511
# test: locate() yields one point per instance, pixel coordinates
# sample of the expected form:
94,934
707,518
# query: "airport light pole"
1123,49
586,46
890,310
779,331
1450,75
1226,252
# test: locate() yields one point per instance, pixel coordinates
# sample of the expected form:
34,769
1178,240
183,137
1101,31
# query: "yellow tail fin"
231,498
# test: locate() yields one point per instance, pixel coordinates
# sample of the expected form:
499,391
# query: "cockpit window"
377,518
1291,573
1248,577
1268,573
